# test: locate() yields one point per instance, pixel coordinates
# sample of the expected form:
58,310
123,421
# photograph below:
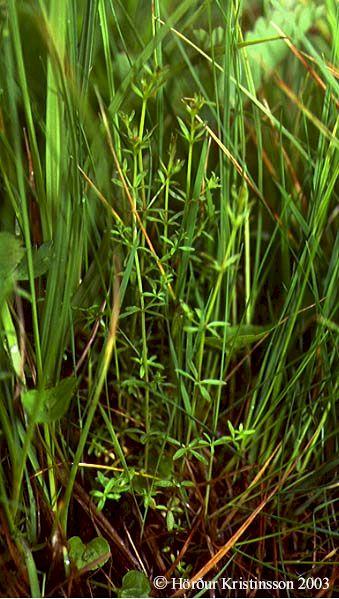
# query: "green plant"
89,556
134,584
113,487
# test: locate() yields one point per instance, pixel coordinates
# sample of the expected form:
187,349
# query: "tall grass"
169,267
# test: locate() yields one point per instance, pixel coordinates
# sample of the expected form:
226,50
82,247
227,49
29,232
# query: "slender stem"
101,377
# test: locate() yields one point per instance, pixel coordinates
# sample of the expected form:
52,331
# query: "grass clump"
169,265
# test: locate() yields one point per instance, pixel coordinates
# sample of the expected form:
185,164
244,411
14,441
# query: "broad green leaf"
92,555
135,584
53,402
264,53
11,252
240,336
6,287
121,65
41,261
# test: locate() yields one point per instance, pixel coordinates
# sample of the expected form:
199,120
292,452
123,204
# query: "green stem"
103,369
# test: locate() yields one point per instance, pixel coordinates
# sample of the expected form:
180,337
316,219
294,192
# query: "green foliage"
290,17
113,487
41,257
49,405
135,584
89,556
11,252
195,448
